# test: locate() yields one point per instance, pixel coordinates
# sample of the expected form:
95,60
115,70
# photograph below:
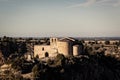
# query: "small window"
56,40
52,40
43,49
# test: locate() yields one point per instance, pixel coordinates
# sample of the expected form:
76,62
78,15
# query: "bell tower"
53,42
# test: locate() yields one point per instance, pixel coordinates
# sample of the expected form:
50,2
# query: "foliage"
10,46
20,64
22,48
9,75
107,42
92,67
59,60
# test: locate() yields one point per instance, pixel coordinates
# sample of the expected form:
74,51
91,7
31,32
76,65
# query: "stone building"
114,41
65,46
101,41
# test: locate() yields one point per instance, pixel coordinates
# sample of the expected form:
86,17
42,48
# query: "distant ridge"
98,38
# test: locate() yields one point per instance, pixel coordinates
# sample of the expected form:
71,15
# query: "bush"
59,60
92,67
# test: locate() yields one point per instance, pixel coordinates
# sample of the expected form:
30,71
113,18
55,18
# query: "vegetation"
9,75
107,42
9,46
84,67
93,67
20,64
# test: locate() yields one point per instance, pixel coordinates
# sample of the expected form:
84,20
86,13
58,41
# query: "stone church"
65,46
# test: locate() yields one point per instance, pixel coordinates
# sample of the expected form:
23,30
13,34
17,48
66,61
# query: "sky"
46,18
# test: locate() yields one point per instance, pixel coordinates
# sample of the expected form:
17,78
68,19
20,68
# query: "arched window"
43,49
55,40
46,54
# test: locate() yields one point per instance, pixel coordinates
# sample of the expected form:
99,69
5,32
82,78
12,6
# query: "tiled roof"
67,39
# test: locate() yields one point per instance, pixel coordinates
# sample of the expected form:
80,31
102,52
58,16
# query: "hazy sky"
77,18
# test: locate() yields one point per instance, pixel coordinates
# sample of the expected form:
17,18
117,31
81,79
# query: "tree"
107,42
35,71
22,48
59,60
8,46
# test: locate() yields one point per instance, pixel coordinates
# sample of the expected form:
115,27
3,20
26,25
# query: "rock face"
63,46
